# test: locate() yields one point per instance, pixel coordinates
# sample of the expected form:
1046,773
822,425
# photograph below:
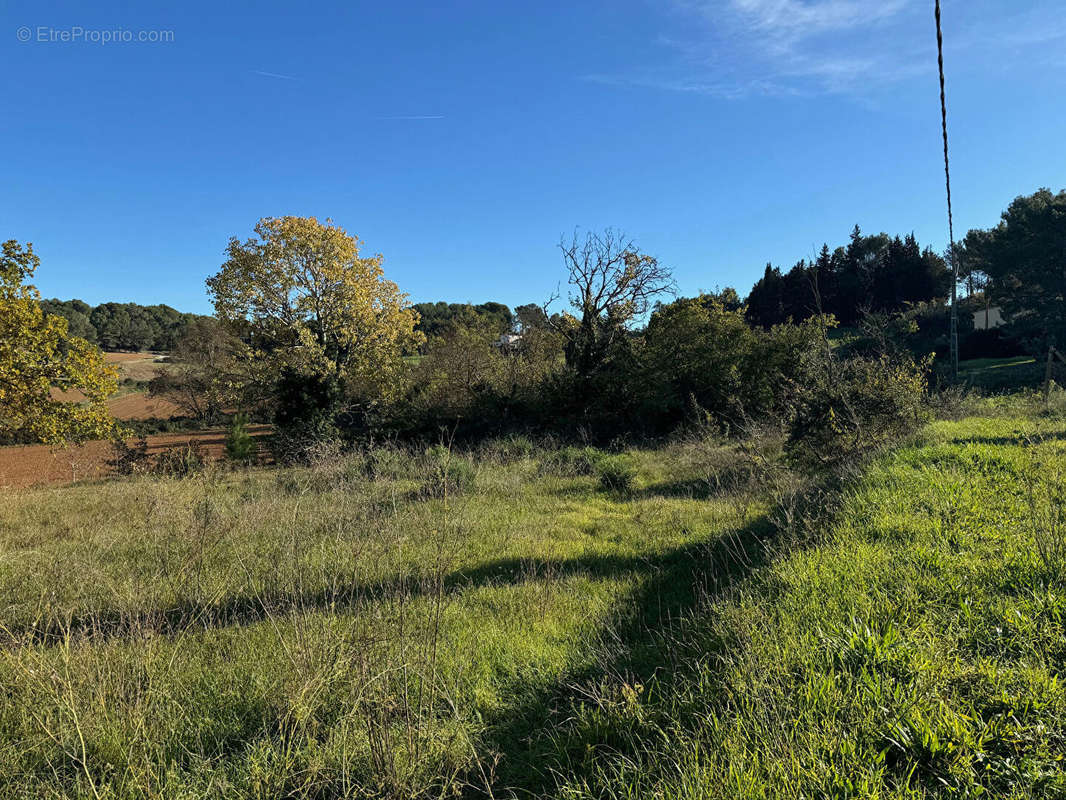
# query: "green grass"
353,630
982,364
1002,374
232,634
917,651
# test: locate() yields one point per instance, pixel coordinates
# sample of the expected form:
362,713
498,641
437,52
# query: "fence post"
1047,376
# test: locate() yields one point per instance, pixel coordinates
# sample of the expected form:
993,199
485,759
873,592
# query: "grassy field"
509,623
1003,374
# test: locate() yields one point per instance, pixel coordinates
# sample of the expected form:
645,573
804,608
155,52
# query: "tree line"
434,319
317,346
135,327
878,274
1020,266
309,333
122,326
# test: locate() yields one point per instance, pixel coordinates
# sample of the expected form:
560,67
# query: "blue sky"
462,139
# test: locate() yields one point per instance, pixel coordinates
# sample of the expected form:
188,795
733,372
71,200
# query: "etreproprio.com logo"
76,34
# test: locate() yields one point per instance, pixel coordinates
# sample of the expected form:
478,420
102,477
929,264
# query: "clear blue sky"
462,138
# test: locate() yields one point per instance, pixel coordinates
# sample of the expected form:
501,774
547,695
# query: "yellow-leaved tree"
305,299
40,363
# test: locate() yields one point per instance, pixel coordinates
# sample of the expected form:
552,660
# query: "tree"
300,293
764,306
209,372
1024,258
140,334
694,353
112,322
240,446
875,273
698,352
76,313
612,284
530,317
905,275
797,293
728,297
435,319
42,365
461,373
123,326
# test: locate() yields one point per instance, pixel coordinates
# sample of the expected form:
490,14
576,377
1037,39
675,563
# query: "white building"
508,341
988,318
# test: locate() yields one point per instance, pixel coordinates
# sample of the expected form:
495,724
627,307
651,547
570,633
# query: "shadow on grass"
721,484
679,582
674,584
1014,439
189,616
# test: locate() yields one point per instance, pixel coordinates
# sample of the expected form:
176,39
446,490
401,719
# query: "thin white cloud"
413,116
738,48
792,20
275,75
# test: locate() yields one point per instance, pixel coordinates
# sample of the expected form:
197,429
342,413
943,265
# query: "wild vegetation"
870,274
624,545
39,356
694,619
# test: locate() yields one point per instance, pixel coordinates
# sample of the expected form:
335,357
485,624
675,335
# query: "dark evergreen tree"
764,301
870,274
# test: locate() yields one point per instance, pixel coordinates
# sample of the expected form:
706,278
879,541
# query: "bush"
188,459
508,450
991,343
701,356
388,462
240,446
136,460
127,460
307,407
449,474
855,406
571,461
616,474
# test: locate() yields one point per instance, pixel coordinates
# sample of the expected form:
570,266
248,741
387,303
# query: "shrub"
616,474
388,462
574,461
240,446
990,343
307,406
854,406
180,461
701,356
129,460
509,449
449,474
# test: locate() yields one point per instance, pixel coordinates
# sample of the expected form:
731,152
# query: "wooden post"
1047,376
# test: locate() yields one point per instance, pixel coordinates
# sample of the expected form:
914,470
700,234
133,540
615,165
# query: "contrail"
275,75
415,116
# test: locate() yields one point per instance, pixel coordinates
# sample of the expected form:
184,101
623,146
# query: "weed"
616,474
388,623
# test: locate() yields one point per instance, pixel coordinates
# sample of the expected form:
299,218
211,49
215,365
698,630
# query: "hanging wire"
947,181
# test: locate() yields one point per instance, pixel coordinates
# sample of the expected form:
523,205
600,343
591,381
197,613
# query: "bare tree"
612,285
207,374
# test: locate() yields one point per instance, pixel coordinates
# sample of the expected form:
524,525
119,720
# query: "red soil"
140,406
118,358
34,465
